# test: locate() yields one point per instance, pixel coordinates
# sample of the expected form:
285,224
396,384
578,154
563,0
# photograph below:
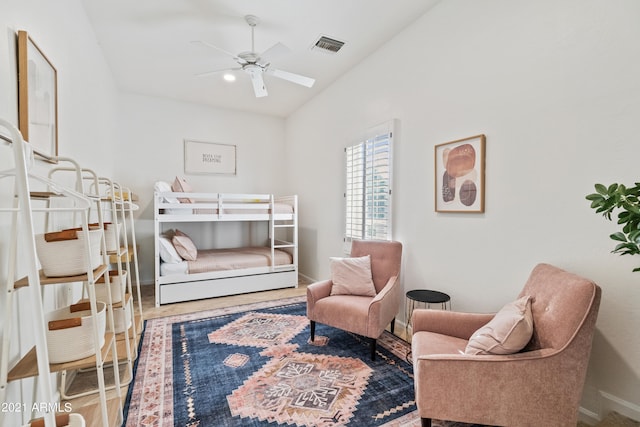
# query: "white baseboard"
307,278
614,403
609,403
587,416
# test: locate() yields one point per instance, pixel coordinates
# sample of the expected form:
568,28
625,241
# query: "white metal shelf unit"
118,197
227,208
105,209
126,197
35,363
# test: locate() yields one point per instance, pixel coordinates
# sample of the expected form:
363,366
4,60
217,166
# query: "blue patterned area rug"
253,365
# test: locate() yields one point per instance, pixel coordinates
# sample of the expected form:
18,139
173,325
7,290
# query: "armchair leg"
426,422
313,330
393,324
373,348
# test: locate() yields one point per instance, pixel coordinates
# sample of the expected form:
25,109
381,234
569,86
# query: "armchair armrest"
387,290
384,307
494,380
452,323
316,291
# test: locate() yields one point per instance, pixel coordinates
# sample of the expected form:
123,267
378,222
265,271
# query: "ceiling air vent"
327,44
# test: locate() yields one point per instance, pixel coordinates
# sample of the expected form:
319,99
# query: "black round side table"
427,297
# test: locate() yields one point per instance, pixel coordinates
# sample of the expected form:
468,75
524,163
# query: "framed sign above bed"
209,158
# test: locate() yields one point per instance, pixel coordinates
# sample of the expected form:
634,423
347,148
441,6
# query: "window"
368,186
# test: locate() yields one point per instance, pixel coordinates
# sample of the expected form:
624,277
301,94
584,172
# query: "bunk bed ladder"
291,244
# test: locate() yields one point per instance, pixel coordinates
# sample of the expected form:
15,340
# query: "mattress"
227,259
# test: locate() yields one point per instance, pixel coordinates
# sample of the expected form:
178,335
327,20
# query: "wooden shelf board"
28,366
44,280
122,350
138,323
123,252
43,194
126,255
127,297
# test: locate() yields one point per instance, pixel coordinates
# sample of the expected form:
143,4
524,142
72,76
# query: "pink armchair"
539,386
362,315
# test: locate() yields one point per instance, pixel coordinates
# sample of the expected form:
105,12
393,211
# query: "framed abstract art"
459,175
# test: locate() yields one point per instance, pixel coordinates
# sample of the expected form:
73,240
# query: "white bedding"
167,269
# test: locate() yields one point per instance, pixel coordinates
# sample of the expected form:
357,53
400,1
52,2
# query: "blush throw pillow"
352,276
508,332
180,185
184,246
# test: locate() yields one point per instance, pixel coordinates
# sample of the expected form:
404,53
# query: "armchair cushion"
352,276
508,332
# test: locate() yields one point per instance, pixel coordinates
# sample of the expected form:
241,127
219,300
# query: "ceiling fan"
255,65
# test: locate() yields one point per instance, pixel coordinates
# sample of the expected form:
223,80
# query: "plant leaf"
620,237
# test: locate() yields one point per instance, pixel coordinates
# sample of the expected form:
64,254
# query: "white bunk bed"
275,249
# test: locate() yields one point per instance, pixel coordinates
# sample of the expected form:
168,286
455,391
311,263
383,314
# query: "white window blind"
368,187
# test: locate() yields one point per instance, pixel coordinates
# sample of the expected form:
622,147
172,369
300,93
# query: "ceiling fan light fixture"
255,65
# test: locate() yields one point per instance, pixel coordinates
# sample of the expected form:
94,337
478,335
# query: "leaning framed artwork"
37,98
460,175
209,158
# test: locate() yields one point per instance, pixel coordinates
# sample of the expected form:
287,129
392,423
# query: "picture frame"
209,158
460,175
37,98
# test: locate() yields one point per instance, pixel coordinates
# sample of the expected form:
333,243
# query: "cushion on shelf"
185,246
167,251
508,332
352,276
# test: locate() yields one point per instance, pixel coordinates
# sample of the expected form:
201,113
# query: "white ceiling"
148,44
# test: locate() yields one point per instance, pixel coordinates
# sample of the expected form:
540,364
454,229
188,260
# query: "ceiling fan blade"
233,55
273,52
292,77
258,83
211,73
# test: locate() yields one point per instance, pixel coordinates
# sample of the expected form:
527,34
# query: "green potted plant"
617,197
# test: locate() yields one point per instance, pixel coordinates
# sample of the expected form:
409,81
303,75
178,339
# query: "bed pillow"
185,246
165,187
167,251
180,185
508,332
352,276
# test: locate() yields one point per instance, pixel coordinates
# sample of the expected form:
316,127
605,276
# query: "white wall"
152,149
554,86
86,119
